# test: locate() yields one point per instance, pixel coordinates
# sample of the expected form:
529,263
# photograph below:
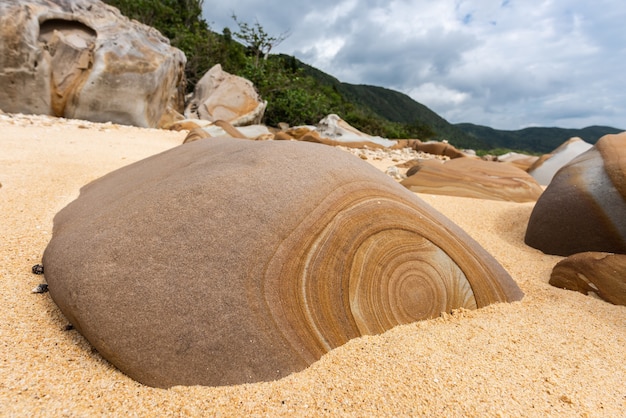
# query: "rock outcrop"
333,130
221,128
521,161
544,169
226,261
469,177
439,148
584,207
82,59
223,96
601,273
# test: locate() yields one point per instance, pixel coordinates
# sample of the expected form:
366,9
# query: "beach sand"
555,353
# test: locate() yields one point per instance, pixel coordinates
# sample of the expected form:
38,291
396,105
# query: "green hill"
399,107
393,106
536,139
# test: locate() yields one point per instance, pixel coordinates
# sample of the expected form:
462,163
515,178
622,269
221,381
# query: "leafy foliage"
259,42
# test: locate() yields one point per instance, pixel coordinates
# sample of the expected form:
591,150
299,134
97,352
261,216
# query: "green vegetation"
302,95
294,95
531,140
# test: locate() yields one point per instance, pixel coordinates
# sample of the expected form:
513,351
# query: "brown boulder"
584,207
416,165
469,177
601,273
227,261
439,148
82,59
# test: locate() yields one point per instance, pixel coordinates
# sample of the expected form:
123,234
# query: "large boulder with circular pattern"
225,261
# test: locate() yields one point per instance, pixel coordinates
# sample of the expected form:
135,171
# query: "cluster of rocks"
582,215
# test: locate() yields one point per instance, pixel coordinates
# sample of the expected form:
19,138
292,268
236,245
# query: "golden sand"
555,353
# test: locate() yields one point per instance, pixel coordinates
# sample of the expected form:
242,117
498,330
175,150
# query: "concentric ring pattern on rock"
227,261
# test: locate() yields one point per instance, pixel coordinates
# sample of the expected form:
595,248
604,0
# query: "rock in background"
227,97
82,59
601,273
469,177
544,169
584,207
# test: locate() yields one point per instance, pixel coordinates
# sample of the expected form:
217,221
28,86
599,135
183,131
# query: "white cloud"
438,96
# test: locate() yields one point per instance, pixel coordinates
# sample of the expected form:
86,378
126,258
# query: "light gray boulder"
544,169
223,96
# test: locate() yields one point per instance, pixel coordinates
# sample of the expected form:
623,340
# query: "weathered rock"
223,96
469,177
416,165
226,261
519,160
170,119
601,273
335,131
544,169
82,59
584,207
439,148
223,128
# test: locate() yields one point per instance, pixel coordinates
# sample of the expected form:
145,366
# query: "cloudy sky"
508,64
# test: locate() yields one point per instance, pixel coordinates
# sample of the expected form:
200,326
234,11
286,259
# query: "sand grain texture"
556,352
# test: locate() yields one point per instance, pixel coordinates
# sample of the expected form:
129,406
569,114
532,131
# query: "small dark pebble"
41,288
38,269
69,327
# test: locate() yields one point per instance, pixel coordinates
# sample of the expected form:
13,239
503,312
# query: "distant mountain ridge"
535,139
399,107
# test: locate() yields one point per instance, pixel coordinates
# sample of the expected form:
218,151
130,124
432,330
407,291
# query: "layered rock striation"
202,265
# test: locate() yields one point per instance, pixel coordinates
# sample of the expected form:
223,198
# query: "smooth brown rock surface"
226,261
439,148
469,177
601,273
82,59
584,207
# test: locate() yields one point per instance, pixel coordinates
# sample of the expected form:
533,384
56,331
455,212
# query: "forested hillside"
536,139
